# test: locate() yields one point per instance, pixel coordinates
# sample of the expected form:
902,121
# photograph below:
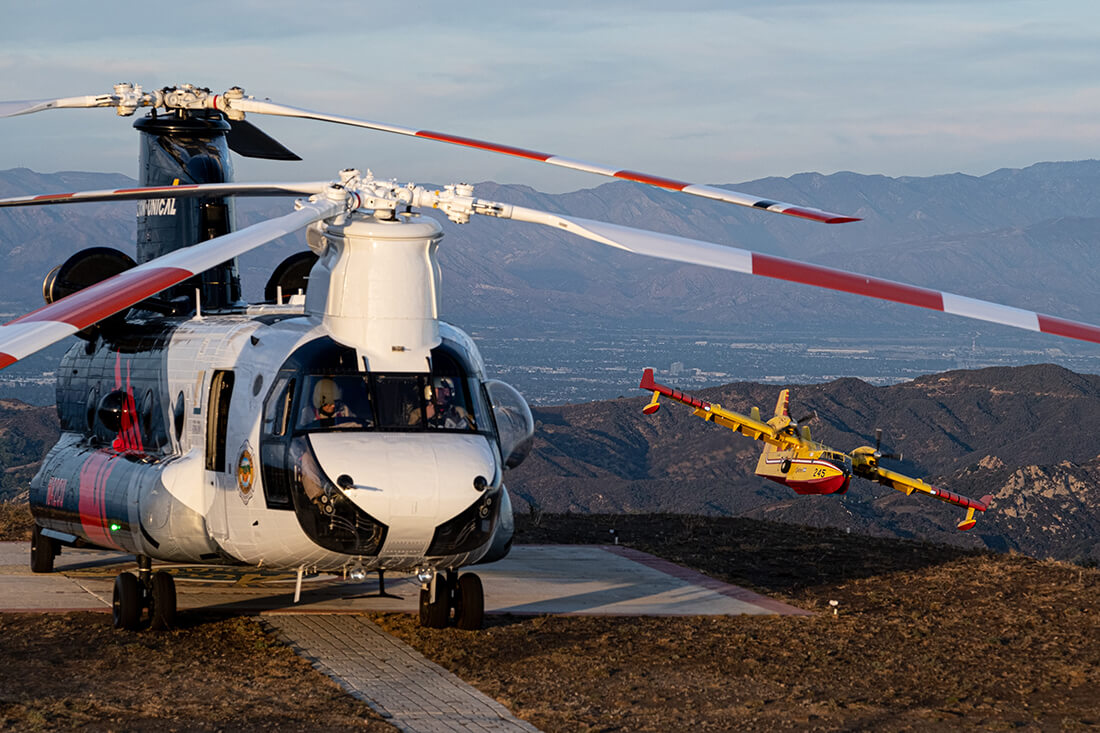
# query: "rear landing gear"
148,591
463,595
43,550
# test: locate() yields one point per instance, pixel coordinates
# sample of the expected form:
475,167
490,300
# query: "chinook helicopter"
338,426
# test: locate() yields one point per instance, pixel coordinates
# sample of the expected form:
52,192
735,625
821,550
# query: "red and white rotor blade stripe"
84,308
180,191
680,249
696,189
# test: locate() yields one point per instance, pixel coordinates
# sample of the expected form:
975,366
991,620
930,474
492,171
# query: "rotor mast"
185,147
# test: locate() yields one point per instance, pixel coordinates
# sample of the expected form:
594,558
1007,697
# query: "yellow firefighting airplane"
793,459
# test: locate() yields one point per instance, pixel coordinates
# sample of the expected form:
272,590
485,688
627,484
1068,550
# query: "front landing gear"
148,591
463,595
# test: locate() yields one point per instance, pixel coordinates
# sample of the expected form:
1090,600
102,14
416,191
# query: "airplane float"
792,458
338,426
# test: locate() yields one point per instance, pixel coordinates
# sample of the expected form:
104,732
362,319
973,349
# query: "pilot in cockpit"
328,408
440,409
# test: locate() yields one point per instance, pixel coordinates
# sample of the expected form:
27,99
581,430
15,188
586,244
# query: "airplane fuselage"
816,470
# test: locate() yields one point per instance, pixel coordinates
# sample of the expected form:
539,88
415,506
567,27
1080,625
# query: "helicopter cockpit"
321,395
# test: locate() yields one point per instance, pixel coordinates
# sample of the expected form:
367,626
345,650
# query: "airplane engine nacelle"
515,424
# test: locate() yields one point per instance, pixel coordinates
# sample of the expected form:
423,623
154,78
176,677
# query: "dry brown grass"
925,638
16,522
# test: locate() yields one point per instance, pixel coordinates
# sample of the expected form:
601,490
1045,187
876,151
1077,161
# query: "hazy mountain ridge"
1026,435
1012,235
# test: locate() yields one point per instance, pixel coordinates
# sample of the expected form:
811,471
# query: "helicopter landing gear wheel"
126,602
785,466
436,614
43,550
469,602
162,601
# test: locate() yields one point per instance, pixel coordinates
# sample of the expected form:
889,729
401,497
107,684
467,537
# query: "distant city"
559,367
562,368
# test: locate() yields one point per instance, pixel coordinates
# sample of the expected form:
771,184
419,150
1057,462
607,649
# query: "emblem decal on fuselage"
246,473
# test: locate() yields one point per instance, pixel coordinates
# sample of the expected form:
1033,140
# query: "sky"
698,90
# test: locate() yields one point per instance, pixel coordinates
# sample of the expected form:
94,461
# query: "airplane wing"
750,426
909,485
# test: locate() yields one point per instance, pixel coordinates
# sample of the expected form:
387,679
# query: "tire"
43,551
469,603
437,614
126,602
162,608
785,466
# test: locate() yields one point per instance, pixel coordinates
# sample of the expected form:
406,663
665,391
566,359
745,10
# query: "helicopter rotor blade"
692,251
52,323
251,105
189,190
29,106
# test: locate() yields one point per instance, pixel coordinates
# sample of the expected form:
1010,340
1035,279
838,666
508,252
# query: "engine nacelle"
84,269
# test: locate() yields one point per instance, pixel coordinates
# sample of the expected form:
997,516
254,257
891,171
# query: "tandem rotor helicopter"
338,426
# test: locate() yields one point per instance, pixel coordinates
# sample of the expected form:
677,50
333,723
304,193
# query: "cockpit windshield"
334,401
406,402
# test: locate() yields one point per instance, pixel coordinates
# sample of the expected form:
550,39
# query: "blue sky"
704,91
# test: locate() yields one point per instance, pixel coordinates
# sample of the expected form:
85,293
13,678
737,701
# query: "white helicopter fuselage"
201,440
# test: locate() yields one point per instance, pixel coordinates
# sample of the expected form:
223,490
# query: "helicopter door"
217,427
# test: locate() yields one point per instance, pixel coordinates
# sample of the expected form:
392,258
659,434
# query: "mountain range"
1026,435
1025,237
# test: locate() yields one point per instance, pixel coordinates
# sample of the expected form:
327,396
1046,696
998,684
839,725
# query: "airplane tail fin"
782,404
970,520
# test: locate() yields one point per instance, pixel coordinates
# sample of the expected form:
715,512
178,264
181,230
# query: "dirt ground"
923,638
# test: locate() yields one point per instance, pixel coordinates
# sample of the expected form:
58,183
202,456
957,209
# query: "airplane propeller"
878,448
128,98
354,191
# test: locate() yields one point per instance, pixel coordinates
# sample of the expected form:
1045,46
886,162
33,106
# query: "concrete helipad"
533,579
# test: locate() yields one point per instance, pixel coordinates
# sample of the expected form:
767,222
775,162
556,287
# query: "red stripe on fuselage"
827,277
93,499
827,485
484,145
86,307
6,360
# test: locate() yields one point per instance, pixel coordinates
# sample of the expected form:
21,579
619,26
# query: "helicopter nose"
412,483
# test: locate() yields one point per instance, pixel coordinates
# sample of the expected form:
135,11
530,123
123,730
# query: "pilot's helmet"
445,388
325,392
